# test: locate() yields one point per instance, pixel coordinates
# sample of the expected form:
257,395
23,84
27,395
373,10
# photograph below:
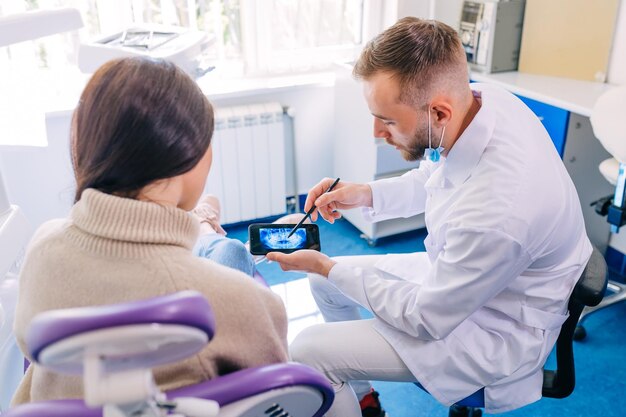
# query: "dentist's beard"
418,145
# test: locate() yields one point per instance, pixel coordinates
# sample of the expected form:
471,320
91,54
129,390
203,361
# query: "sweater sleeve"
251,321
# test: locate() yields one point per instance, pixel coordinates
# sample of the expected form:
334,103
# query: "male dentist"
483,306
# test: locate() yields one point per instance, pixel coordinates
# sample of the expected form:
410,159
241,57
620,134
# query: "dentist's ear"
441,112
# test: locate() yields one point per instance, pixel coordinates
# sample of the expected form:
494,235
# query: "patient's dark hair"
138,120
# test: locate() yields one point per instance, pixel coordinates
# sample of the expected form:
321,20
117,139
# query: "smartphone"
271,237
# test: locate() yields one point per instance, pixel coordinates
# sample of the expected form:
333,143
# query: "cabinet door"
359,157
554,119
390,161
583,154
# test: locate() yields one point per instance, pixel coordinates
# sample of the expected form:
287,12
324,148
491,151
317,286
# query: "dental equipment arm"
607,124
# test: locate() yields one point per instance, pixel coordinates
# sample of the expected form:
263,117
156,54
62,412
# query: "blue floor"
600,358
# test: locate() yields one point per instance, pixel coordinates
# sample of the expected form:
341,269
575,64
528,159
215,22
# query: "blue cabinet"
554,119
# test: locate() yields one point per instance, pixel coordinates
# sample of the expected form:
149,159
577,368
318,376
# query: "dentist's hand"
345,195
303,260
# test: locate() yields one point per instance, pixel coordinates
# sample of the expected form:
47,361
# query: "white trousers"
346,348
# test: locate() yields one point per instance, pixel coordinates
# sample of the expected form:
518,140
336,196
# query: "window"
263,36
291,36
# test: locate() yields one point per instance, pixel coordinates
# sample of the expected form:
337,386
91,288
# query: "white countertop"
213,85
573,95
218,88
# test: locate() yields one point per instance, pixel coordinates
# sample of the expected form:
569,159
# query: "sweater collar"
128,221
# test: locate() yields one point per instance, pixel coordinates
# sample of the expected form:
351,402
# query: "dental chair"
14,234
115,346
606,121
558,383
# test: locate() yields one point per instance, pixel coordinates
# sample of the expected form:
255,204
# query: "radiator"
248,170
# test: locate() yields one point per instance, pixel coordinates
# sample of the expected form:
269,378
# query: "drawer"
389,160
554,119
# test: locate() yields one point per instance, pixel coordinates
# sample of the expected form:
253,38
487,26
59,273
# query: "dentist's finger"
314,193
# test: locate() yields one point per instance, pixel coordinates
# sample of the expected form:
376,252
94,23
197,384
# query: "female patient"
140,144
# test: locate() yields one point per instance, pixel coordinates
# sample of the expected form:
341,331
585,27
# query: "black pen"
311,210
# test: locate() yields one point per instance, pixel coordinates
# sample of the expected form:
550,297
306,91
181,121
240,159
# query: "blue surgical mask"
433,154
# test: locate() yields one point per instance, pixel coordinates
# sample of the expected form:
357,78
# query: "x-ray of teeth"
277,238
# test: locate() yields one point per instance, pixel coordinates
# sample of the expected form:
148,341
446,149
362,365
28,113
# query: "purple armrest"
225,390
247,382
188,308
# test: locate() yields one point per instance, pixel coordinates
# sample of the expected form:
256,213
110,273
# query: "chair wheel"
580,333
370,242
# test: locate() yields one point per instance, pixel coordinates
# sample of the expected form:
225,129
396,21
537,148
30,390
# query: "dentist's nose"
380,130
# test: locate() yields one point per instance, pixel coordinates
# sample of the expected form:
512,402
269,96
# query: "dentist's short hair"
138,120
421,54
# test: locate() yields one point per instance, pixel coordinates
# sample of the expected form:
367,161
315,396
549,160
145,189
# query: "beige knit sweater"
114,249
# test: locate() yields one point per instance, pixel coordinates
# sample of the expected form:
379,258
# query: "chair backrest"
588,292
65,341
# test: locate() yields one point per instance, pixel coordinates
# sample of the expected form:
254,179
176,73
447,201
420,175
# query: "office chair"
115,346
606,121
558,383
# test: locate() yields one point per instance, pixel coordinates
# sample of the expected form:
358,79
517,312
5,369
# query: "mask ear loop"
441,139
430,145
430,153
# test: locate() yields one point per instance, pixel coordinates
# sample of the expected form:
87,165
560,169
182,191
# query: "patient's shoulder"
228,279
48,231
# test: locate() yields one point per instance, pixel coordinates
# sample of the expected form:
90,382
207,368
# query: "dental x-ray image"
276,238
269,237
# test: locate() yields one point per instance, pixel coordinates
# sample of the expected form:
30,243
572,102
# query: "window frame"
259,60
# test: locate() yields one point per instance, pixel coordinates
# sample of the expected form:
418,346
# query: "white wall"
40,179
617,63
449,12
415,8
313,129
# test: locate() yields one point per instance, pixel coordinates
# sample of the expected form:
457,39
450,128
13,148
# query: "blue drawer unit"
554,119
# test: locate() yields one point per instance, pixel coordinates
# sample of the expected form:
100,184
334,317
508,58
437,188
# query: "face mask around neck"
430,153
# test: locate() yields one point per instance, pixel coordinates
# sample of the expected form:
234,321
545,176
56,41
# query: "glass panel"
308,24
222,19
296,34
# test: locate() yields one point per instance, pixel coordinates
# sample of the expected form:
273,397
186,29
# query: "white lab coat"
506,245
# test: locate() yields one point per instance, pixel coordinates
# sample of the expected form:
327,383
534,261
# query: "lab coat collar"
469,147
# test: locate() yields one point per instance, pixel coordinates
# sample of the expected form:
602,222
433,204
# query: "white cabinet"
359,157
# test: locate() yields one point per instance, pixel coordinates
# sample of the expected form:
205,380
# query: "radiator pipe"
291,113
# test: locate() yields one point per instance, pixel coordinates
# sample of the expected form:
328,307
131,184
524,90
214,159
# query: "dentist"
483,306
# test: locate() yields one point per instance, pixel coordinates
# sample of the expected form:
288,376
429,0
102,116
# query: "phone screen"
272,237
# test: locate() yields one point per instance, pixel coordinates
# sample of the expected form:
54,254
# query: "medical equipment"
491,33
560,382
184,47
26,26
606,124
376,158
115,346
14,234
15,230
